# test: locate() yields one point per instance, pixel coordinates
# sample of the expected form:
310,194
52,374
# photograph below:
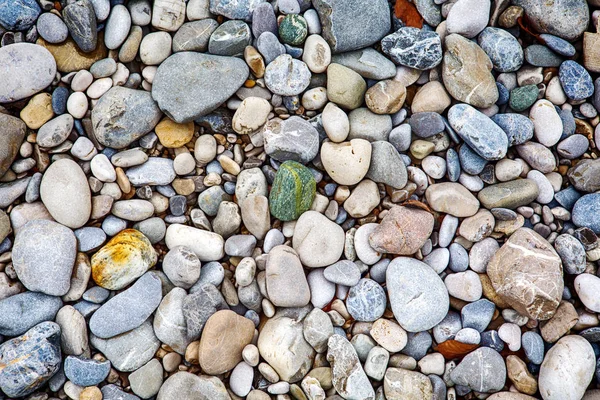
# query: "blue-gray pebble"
586,212
502,48
23,311
470,161
478,315
518,128
559,45
366,300
533,345
575,80
86,372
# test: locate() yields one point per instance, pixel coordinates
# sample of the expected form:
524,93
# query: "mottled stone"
466,71
566,19
30,360
400,383
368,62
181,76
224,337
43,257
292,192
70,58
199,305
84,371
502,48
527,273
413,48
123,115
235,9
292,139
338,15
169,321
230,38
366,301
481,134
287,76
402,231
126,257
575,81
518,128
347,375
19,15
418,296
23,311
194,36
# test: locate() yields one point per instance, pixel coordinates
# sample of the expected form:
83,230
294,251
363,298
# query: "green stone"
293,30
523,97
292,192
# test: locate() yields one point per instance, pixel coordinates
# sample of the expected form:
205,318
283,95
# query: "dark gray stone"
418,344
559,45
182,76
124,115
414,48
541,56
23,311
80,19
86,372
571,252
230,38
448,327
29,361
353,24
430,11
129,309
426,124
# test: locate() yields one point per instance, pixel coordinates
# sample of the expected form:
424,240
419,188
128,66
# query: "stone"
585,286
30,360
318,241
69,58
292,139
542,56
347,375
336,16
343,272
292,192
185,385
413,48
179,78
482,370
10,141
518,128
478,11
43,257
345,87
482,135
19,15
86,372
286,76
546,122
527,273
109,392
575,81
289,289
511,194
213,342
452,198
402,231
293,30
503,49
182,267
129,309
28,69
80,18
126,257
348,162
385,97
55,131
129,351
567,369
533,345
202,302
23,311
431,97
367,62
208,246
174,135
477,227
561,322
251,115
117,27
366,301
147,380
235,9
194,35
466,71
132,210
387,166
282,345
38,111
168,15
169,321
566,19
523,97
400,383
123,115
154,171
418,297
317,54
571,252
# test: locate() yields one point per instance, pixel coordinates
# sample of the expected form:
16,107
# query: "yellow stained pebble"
38,111
172,134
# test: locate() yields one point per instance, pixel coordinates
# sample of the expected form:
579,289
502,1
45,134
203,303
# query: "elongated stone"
292,192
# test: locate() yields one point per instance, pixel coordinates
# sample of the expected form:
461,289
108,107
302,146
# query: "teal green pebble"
523,97
293,191
293,29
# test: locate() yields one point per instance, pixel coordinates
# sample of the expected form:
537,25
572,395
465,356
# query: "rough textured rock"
402,231
413,48
399,384
123,115
13,133
527,273
347,375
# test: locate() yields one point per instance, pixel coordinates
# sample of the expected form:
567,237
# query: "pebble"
391,235
147,380
482,370
177,81
317,247
343,272
511,195
23,311
367,62
286,76
184,384
19,15
502,48
413,48
290,289
342,357
452,198
575,81
366,301
478,12
292,192
51,28
347,162
291,139
345,87
85,372
566,20
418,296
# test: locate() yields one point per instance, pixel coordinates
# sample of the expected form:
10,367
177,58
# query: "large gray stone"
189,85
123,115
43,257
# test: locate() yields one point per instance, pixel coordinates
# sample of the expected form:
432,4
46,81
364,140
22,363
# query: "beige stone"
389,335
466,71
70,58
431,97
591,51
520,376
38,111
345,87
401,384
386,97
251,115
348,162
561,322
452,198
477,227
402,231
527,273
172,134
224,337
